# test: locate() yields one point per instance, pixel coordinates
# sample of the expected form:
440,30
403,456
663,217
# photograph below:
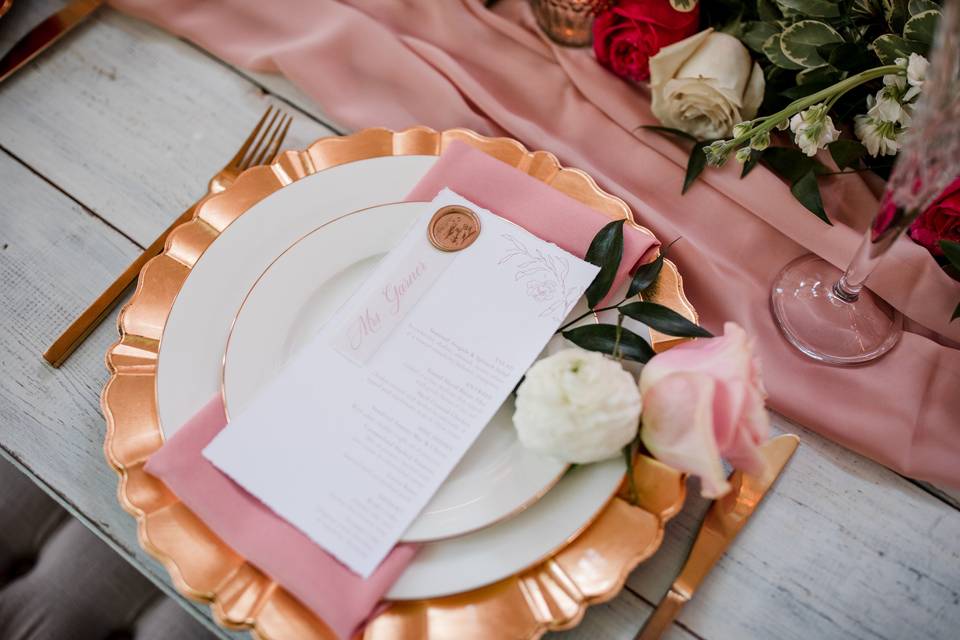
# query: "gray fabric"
59,581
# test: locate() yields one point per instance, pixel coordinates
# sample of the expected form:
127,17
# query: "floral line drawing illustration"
546,277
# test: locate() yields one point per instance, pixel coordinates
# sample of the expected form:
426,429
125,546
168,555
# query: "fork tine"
278,136
238,157
268,140
249,159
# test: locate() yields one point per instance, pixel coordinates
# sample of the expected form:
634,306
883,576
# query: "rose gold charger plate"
552,594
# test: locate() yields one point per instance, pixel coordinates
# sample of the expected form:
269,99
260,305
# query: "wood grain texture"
121,124
131,121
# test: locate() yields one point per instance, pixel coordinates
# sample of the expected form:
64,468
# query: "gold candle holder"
568,22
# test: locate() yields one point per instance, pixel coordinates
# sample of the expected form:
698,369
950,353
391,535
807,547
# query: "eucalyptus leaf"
606,251
815,8
774,52
755,33
889,47
603,338
806,190
920,27
695,164
951,250
800,40
846,153
919,6
668,131
663,319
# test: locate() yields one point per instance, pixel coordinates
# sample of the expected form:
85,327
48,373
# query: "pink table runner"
456,64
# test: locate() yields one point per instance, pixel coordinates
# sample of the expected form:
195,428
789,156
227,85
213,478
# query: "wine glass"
829,315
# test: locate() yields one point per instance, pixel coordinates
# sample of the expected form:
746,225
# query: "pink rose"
703,401
629,33
941,220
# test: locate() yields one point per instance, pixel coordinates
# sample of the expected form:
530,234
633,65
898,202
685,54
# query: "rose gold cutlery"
724,520
261,146
45,34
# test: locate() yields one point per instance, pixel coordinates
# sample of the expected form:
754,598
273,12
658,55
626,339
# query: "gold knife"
45,34
722,524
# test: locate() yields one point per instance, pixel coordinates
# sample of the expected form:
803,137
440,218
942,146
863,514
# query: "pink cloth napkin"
457,64
340,597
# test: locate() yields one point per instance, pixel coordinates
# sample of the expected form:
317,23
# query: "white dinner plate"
295,296
195,336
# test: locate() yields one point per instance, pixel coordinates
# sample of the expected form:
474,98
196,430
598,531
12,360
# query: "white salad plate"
194,341
297,294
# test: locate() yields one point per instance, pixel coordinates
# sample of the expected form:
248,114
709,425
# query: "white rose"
577,406
705,84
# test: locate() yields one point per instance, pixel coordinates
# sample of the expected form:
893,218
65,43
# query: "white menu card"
356,434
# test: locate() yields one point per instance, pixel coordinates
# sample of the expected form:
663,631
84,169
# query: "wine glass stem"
848,287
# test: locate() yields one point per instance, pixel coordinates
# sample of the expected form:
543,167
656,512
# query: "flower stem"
767,123
587,313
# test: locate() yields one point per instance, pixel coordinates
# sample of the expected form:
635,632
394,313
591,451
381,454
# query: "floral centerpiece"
807,88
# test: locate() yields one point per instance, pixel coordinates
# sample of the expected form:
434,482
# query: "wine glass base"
823,326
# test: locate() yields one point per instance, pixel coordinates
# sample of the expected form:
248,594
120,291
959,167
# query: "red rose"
941,220
628,34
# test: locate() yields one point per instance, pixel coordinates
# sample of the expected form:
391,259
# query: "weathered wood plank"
841,548
131,121
54,258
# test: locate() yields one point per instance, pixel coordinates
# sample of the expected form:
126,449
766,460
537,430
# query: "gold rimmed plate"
552,594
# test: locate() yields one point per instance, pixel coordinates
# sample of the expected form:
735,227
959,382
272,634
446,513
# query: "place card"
359,430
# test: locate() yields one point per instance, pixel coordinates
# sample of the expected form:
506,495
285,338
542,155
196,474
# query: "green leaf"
807,192
951,250
768,11
750,164
919,6
755,33
804,90
889,47
816,8
846,153
606,250
846,56
819,76
647,274
800,40
664,319
668,131
895,12
603,338
789,162
920,27
773,51
695,165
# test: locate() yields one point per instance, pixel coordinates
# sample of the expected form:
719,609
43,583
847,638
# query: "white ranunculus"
813,129
577,406
705,84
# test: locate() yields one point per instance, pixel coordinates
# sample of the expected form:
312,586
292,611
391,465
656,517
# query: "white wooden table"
107,137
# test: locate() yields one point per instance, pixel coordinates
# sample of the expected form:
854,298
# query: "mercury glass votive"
568,22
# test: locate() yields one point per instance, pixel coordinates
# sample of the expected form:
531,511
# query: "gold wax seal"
453,228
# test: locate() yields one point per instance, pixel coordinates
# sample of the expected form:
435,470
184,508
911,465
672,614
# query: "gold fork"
261,145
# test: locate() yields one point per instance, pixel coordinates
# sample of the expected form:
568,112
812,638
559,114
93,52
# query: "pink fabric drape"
456,64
